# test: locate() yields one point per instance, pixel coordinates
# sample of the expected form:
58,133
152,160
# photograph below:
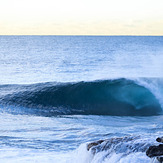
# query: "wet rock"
159,139
155,151
160,159
90,145
123,145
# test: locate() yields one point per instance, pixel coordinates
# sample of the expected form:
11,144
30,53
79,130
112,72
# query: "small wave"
120,97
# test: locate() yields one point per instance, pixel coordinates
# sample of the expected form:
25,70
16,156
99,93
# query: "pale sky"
81,17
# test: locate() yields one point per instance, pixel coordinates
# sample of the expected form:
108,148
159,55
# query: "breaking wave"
119,97
115,150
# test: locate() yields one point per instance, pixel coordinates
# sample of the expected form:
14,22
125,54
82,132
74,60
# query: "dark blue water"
59,92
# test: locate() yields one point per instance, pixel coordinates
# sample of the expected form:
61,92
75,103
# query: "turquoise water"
57,93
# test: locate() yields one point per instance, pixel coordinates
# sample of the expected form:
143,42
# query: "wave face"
119,97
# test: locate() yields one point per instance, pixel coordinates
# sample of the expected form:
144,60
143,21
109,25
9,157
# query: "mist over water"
57,93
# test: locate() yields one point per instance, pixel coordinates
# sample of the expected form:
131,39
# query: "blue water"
58,93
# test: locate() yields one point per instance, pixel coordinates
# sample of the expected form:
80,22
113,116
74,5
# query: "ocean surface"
59,93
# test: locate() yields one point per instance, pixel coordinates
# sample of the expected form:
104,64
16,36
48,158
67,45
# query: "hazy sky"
81,17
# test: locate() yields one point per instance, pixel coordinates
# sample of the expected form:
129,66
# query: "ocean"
60,93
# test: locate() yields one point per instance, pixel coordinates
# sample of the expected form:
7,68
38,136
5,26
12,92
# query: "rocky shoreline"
156,152
128,145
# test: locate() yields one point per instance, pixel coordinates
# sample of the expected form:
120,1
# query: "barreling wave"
119,97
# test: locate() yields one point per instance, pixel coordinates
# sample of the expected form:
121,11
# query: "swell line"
120,97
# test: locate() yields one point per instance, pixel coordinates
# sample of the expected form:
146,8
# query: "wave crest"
120,97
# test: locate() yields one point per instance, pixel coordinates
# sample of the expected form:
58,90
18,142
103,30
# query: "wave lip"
120,97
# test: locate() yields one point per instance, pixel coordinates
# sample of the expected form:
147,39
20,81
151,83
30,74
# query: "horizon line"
72,35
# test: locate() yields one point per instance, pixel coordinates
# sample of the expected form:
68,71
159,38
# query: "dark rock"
90,145
155,151
159,139
160,159
123,145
